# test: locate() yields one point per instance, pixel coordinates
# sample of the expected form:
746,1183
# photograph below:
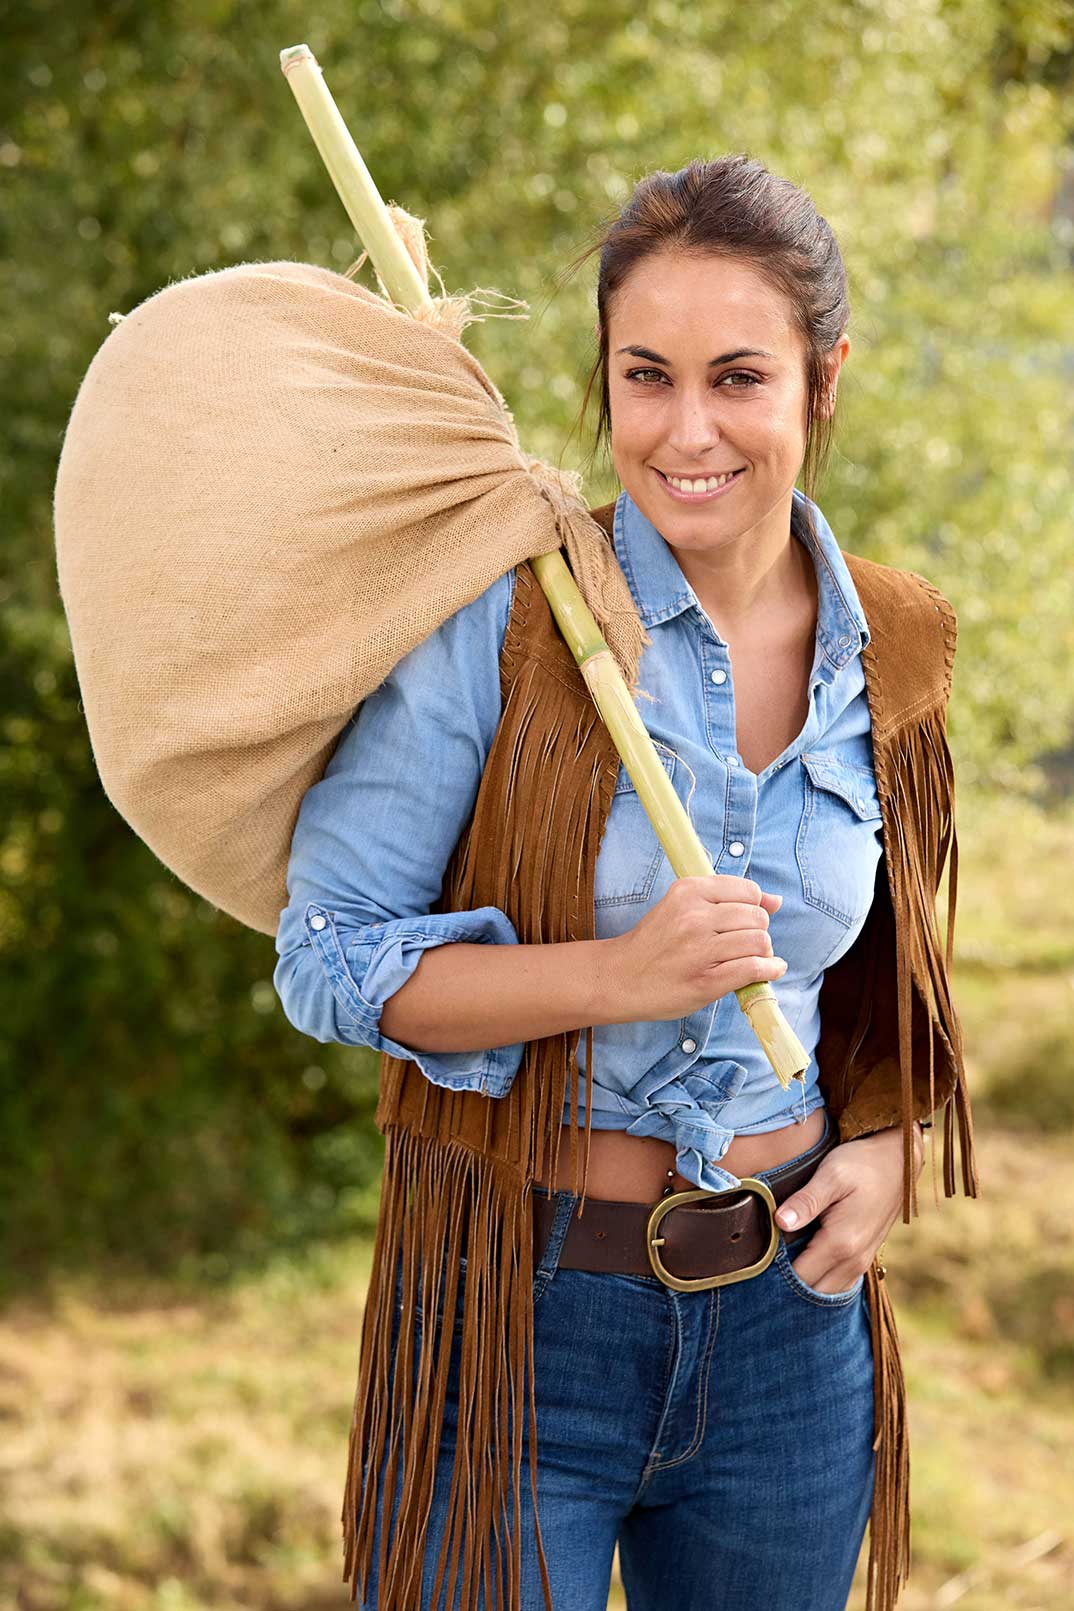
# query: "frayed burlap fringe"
593,564
595,569
450,312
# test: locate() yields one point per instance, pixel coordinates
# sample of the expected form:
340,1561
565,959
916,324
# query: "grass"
170,1451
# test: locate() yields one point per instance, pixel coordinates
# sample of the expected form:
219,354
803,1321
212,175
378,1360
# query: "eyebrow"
724,358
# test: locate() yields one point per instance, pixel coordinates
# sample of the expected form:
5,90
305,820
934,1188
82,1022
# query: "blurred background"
187,1185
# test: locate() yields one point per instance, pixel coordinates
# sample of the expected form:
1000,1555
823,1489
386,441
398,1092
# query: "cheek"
632,420
774,434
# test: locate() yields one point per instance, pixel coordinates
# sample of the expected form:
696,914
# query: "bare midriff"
634,1169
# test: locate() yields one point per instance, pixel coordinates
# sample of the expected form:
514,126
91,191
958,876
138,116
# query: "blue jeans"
722,1438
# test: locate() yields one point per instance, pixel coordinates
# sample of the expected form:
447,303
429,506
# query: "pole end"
781,1045
293,55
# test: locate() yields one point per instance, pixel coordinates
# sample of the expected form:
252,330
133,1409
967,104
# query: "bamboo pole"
401,279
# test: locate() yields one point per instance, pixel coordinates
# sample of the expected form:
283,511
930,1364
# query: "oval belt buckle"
702,1282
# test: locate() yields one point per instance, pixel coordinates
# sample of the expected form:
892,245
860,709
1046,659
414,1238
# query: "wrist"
894,1130
607,986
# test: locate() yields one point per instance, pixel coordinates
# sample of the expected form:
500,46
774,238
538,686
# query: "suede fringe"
459,1170
395,1428
915,772
889,1519
459,1167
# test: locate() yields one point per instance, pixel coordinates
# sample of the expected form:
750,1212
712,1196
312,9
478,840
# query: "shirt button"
736,847
843,642
718,676
732,760
318,922
689,1045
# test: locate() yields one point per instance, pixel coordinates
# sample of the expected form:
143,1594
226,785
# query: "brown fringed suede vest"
890,1051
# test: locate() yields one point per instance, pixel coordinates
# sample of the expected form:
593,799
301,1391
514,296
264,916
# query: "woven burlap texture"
273,485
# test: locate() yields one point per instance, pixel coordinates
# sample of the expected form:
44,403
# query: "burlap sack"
273,485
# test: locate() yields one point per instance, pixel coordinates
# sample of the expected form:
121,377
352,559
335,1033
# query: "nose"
694,429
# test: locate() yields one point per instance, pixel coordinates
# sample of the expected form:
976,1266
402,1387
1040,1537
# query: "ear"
836,359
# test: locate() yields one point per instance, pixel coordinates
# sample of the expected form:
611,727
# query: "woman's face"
712,381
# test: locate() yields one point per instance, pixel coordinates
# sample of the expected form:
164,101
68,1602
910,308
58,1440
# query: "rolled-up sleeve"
373,839
371,964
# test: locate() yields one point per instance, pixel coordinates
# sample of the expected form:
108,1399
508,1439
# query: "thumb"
802,1206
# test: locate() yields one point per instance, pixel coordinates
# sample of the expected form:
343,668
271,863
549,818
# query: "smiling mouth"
696,484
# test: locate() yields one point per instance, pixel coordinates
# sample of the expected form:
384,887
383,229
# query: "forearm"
464,996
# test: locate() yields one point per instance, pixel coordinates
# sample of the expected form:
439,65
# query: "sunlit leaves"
142,143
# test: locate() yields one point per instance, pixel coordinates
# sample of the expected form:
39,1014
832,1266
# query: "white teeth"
708,485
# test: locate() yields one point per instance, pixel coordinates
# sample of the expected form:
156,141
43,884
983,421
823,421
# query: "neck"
759,573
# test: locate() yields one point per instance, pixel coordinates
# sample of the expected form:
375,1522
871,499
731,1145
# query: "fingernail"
788,1217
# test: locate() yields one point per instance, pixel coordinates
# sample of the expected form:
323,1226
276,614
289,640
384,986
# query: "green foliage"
155,1102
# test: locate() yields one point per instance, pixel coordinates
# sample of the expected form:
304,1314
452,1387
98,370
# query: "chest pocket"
630,854
839,837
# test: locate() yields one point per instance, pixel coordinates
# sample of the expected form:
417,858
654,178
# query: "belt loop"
566,1201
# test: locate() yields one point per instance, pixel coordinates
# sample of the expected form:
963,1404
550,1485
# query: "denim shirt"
374,836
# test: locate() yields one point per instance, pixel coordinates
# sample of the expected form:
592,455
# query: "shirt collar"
661,591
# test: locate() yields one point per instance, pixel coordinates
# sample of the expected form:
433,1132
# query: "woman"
723,1436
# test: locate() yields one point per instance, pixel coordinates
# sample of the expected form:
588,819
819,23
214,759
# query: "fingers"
747,923
743,971
724,887
801,1207
833,1261
831,1183
834,1279
739,915
738,911
728,945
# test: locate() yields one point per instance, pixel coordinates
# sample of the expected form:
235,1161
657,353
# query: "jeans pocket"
801,1289
541,1282
420,1315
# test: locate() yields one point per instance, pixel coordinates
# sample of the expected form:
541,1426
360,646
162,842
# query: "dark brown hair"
730,207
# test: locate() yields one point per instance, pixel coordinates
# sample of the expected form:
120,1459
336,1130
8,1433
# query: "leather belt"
691,1239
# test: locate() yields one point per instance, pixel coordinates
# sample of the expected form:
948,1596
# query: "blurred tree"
155,1102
